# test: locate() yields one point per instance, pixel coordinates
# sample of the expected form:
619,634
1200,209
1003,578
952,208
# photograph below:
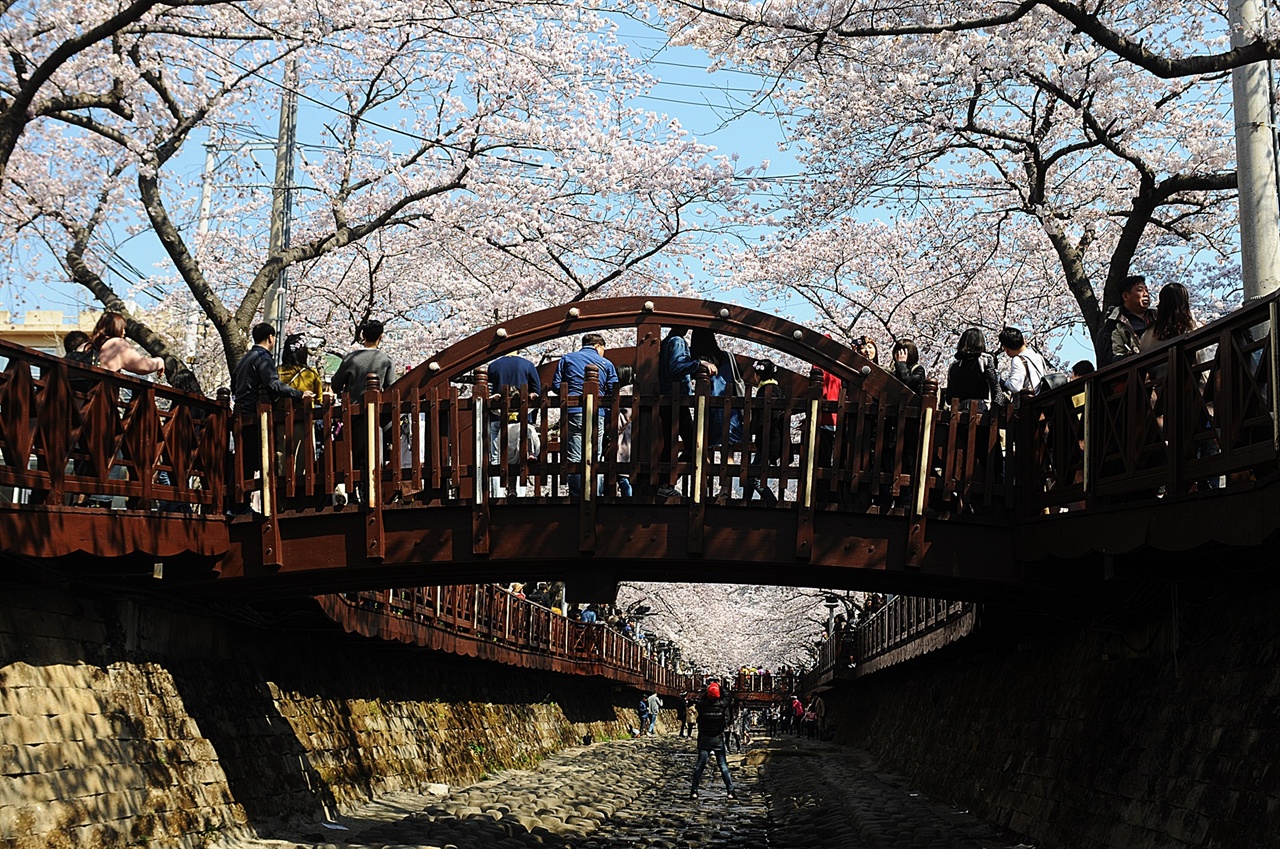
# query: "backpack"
1052,380
83,358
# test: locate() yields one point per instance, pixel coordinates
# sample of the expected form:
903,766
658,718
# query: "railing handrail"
478,611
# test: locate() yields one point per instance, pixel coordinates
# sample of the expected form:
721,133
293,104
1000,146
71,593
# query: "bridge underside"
1064,556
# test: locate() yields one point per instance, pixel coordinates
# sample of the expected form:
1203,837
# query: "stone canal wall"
128,722
1163,734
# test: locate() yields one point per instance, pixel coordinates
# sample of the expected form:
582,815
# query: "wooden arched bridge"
1168,452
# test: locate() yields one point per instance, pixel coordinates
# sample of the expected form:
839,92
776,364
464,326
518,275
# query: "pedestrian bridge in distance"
1152,458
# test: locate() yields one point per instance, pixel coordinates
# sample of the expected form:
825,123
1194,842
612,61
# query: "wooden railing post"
924,464
1026,465
271,541
808,467
1176,437
375,537
484,483
222,500
587,506
1089,412
697,492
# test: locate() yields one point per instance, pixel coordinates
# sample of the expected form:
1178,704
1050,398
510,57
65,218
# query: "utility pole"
282,198
1255,160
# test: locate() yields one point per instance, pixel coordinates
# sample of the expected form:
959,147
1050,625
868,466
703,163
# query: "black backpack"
1052,380
83,358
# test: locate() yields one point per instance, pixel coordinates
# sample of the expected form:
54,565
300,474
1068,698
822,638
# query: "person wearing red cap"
712,709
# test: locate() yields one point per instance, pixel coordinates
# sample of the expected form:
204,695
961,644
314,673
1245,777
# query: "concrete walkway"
634,794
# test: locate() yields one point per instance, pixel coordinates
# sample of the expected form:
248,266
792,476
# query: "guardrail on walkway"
1192,416
488,622
906,627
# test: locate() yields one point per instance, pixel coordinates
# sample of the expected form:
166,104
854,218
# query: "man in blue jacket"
571,376
676,368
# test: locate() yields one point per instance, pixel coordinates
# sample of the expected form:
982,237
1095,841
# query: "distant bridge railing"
764,684
906,627
487,621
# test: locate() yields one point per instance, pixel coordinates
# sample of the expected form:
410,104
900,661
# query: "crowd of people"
989,379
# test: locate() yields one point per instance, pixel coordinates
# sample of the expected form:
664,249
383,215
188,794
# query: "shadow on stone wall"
149,722
1162,731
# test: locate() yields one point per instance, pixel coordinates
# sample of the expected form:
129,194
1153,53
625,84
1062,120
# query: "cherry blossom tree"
911,278
1025,155
723,627
492,151
1165,39
60,59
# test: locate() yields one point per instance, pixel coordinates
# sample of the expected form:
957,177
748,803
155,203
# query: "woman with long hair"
1173,316
906,365
114,351
296,371
972,375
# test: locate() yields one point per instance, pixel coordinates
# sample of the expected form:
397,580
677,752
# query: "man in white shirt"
1026,367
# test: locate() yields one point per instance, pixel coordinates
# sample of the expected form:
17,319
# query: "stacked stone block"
125,723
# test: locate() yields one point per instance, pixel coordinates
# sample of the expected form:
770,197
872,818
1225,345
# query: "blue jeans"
703,756
573,448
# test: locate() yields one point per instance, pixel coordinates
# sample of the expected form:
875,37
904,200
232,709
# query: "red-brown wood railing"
526,632
1191,415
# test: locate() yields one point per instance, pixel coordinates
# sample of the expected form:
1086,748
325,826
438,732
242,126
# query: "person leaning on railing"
570,381
254,374
1173,318
109,349
349,381
676,367
115,353
509,376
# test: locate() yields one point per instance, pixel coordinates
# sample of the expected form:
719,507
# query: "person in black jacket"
972,377
712,719
256,373
906,365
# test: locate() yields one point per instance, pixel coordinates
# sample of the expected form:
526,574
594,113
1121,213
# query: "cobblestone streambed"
634,794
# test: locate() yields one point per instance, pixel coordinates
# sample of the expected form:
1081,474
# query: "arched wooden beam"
647,315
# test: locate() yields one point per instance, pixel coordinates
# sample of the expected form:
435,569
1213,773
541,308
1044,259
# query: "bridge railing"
1194,414
856,451
491,614
766,683
1191,415
904,622
74,435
